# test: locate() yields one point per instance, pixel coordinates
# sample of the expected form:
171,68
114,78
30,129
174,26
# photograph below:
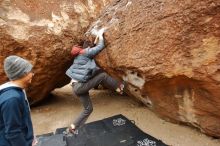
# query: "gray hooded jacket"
84,66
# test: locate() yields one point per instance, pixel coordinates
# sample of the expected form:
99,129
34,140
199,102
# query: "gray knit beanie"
15,67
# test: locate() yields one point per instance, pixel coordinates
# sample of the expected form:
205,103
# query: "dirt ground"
62,108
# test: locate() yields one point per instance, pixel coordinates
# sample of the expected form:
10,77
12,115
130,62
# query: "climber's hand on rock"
101,32
94,32
96,40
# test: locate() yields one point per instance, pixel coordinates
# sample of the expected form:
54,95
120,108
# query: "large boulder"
169,53
43,32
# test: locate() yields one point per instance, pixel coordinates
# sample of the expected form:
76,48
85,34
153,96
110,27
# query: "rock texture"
169,53
43,32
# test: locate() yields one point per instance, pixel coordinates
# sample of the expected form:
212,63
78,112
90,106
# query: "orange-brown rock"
169,53
40,31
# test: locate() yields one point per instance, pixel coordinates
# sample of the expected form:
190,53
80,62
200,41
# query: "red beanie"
75,50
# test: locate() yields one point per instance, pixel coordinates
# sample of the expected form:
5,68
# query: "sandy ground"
60,110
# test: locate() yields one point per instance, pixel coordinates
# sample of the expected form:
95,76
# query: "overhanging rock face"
40,31
169,53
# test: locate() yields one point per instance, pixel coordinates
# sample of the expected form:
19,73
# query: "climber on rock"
85,75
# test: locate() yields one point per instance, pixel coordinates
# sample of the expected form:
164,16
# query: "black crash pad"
113,131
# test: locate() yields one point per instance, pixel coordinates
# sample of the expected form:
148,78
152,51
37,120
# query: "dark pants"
82,91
